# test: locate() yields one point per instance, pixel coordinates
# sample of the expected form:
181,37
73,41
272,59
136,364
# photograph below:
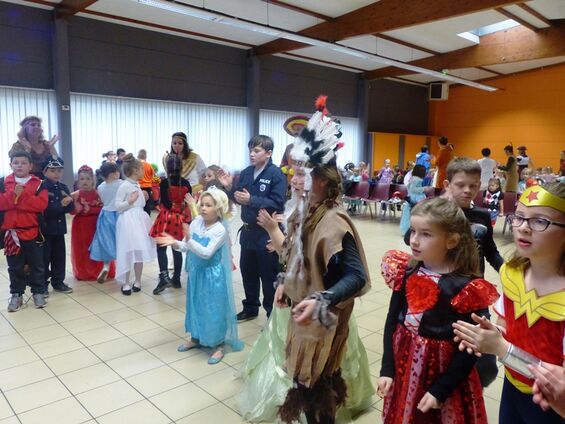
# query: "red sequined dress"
419,352
173,211
87,208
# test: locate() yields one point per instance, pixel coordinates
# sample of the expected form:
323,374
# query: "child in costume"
210,310
103,246
531,310
492,199
416,194
87,208
321,295
134,246
424,377
386,173
174,217
266,382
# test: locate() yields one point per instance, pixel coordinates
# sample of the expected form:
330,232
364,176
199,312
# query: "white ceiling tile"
333,8
471,74
509,68
337,57
386,48
551,9
528,17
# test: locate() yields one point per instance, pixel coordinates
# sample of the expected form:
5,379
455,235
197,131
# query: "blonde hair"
446,215
130,163
221,201
517,261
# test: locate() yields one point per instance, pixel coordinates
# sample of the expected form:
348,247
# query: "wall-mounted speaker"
438,91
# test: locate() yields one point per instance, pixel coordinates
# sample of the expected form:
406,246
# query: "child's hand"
280,297
145,195
224,177
549,386
18,189
189,199
86,208
133,197
302,313
383,386
270,247
266,221
481,338
66,199
242,197
428,402
165,240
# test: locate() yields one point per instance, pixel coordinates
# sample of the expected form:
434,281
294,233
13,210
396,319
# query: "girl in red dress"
424,377
87,208
174,217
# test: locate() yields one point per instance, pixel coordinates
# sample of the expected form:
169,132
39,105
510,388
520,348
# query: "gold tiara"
538,196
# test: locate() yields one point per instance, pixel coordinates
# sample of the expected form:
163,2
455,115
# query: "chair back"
380,192
478,200
429,191
510,202
361,190
402,189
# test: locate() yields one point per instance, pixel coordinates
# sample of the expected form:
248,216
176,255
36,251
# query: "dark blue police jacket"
268,191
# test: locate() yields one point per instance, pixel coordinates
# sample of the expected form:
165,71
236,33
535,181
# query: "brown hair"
130,164
446,215
31,118
466,165
517,261
330,174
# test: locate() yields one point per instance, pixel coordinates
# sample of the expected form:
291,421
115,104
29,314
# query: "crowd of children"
439,346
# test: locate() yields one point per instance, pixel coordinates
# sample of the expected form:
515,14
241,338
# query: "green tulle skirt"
266,381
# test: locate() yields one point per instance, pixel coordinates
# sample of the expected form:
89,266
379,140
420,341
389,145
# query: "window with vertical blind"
271,123
15,105
100,123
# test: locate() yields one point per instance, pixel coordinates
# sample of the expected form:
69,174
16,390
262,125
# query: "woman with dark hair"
511,169
192,164
31,140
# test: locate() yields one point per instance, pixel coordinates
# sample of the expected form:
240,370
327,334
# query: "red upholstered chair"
359,193
478,200
380,193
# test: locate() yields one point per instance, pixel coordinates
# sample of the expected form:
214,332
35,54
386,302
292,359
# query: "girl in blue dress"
210,311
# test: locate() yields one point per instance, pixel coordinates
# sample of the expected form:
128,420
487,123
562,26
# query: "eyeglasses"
536,224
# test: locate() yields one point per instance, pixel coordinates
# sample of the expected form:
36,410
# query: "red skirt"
419,361
169,222
82,233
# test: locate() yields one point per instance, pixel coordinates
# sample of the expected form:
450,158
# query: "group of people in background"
302,250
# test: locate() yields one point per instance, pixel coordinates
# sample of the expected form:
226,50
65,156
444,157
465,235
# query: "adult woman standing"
444,156
192,164
31,140
511,169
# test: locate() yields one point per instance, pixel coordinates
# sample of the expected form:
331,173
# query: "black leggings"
164,262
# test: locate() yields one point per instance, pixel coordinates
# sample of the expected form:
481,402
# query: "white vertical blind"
101,123
15,105
271,124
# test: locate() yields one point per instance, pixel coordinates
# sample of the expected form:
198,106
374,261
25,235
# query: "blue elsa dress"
210,309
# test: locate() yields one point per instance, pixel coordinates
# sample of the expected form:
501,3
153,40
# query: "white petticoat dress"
133,243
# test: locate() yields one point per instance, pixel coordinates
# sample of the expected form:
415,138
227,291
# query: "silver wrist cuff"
518,360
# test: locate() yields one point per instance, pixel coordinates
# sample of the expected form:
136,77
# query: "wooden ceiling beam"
512,16
299,9
406,44
68,8
385,15
512,45
535,13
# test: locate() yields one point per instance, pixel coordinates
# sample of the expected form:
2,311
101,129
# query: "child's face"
209,176
21,167
53,174
536,244
493,186
429,243
297,181
85,182
259,156
208,210
463,188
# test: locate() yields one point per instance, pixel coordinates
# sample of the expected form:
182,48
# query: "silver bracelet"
518,360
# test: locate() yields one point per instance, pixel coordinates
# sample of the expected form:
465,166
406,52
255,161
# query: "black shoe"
135,289
126,292
245,316
61,288
164,282
175,281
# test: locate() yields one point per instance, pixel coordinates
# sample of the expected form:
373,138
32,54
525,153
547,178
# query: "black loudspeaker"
438,91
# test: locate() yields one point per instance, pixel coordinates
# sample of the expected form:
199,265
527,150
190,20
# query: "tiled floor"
96,356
